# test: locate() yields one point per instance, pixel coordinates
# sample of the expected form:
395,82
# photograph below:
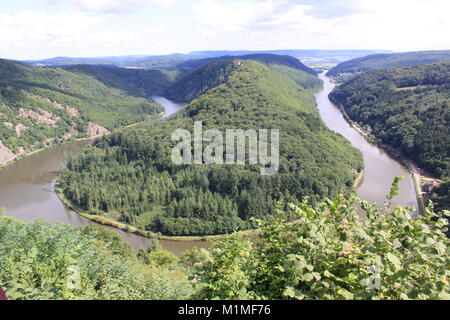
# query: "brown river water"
27,193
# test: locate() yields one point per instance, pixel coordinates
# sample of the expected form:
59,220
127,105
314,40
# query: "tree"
329,252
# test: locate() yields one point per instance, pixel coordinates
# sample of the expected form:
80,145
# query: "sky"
37,29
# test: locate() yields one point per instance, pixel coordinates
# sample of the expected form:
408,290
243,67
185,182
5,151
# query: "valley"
164,224
224,159
46,205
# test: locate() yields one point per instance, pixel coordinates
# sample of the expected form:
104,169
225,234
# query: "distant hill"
188,79
141,61
41,106
170,61
391,60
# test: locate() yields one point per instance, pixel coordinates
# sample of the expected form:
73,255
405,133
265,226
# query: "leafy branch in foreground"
329,252
332,253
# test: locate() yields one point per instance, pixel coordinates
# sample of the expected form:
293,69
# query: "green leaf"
289,292
345,294
444,296
394,260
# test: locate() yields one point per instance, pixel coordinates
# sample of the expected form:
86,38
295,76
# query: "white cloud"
118,6
242,15
378,24
31,34
30,28
221,24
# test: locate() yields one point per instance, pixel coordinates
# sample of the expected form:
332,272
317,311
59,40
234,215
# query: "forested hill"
45,105
212,72
265,58
407,108
137,82
389,60
200,81
129,176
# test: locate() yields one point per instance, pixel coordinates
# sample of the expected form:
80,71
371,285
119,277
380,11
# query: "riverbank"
29,154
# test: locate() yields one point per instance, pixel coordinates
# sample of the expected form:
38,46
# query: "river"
379,168
27,193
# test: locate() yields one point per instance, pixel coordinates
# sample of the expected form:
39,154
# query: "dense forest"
47,105
329,253
129,176
387,60
441,196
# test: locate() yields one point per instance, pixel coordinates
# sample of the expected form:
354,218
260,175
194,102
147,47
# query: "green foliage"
393,192
225,272
329,252
391,60
129,175
54,261
69,99
161,259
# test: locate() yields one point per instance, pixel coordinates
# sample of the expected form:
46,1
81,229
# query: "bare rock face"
8,124
44,117
6,155
19,128
72,111
94,129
